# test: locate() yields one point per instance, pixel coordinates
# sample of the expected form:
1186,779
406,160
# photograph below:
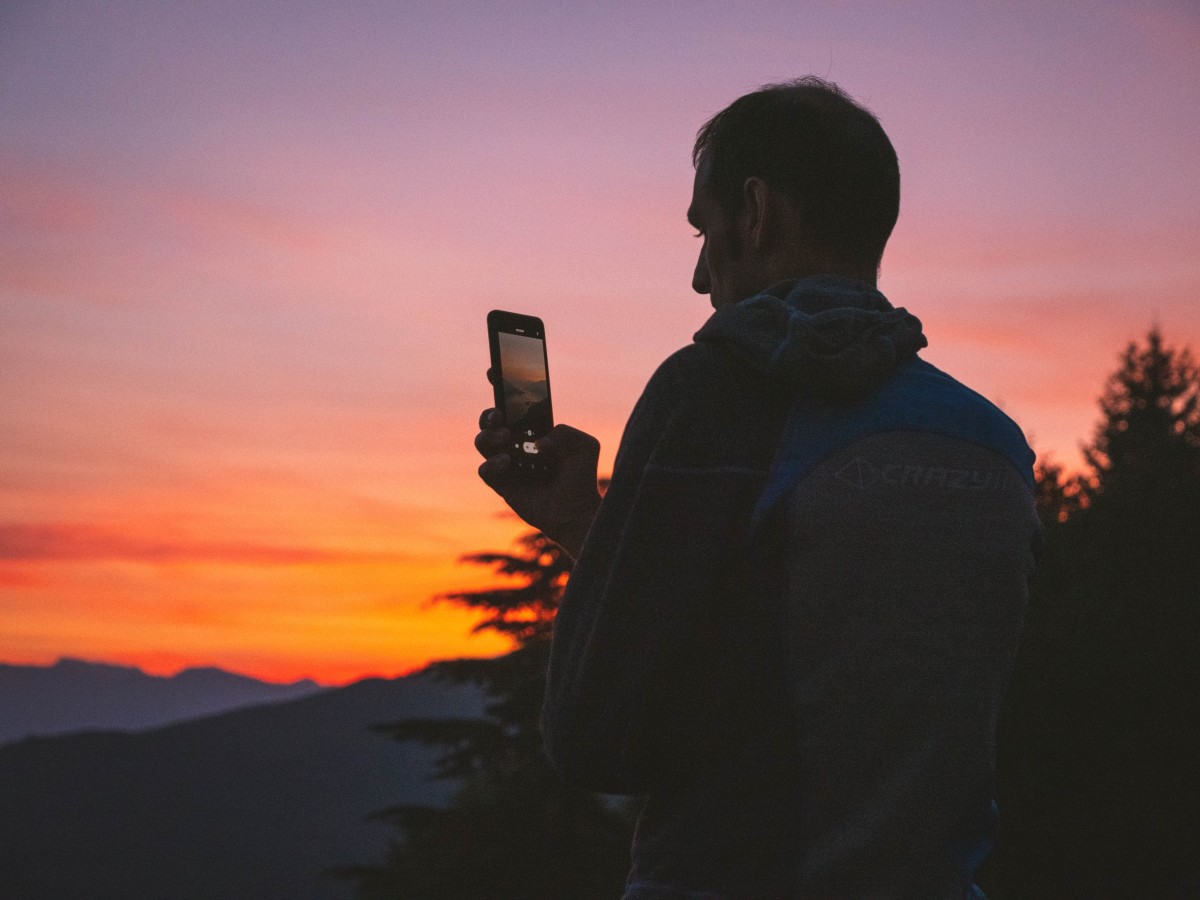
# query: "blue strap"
917,397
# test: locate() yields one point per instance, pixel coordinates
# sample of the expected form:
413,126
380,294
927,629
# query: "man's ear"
758,213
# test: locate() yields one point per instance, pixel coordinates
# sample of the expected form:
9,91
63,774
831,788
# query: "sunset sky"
247,250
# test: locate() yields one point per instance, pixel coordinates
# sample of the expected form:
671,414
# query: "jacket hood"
824,335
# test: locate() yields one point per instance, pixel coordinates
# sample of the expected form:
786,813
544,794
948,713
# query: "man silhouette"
794,613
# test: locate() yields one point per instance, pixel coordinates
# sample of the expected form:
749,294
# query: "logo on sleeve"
862,474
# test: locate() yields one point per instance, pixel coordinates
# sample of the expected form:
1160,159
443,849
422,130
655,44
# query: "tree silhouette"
513,829
1147,447
1096,768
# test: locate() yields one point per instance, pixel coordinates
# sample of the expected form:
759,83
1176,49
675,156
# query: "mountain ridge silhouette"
74,695
252,802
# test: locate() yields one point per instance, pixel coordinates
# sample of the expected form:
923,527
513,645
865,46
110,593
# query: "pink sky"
246,251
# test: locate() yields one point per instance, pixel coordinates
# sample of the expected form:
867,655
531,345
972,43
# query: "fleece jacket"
795,615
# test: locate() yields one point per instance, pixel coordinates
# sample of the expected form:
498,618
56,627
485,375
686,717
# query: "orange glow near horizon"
329,620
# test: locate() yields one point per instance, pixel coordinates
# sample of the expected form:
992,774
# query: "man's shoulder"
935,401
689,362
917,398
677,382
697,370
704,412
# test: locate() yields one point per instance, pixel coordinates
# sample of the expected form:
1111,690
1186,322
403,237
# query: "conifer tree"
1147,446
1144,487
1097,779
513,829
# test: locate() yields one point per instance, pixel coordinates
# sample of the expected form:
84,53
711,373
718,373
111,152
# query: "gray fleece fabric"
795,615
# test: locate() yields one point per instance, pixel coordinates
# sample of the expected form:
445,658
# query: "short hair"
826,153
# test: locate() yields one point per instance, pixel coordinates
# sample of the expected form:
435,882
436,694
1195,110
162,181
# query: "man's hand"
560,505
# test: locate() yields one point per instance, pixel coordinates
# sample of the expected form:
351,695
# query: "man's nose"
700,280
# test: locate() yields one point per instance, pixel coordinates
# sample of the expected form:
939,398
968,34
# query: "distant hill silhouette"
73,695
248,804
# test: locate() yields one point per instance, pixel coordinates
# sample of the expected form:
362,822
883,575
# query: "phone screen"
518,346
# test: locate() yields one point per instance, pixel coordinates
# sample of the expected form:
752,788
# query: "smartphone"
522,384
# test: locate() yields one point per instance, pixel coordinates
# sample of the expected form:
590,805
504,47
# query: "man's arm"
632,675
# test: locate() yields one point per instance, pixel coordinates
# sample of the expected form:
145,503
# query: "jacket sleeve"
631,673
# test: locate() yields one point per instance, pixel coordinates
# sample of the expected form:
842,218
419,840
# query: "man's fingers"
491,418
491,441
563,439
493,470
491,376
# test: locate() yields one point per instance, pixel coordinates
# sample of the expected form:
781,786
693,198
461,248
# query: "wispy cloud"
87,542
112,241
228,219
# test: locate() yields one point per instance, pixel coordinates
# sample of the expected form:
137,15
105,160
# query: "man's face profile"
716,272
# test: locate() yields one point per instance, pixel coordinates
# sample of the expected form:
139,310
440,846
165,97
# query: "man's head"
793,179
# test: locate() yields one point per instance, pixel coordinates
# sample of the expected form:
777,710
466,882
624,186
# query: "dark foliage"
514,829
1097,773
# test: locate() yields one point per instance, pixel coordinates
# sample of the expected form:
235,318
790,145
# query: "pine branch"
537,595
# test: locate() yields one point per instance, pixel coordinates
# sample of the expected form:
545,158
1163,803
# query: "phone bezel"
501,321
